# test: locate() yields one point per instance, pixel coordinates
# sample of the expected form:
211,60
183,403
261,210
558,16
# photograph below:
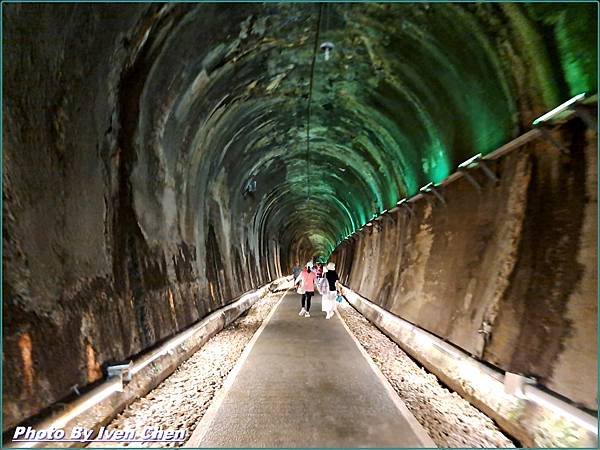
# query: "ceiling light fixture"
327,48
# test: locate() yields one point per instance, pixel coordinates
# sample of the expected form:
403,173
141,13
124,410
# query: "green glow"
576,35
404,99
436,165
536,52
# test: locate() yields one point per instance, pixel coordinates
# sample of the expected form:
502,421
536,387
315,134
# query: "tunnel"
161,161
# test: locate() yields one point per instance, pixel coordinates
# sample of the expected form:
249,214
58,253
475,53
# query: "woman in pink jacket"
307,279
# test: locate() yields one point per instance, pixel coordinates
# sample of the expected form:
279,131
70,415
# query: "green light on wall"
436,166
576,37
410,186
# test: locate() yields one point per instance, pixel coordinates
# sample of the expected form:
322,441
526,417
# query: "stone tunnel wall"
130,131
520,258
104,254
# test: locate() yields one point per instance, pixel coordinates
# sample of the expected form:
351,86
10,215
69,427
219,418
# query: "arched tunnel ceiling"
410,91
131,129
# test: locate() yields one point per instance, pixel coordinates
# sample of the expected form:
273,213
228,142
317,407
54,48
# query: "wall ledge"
99,406
538,420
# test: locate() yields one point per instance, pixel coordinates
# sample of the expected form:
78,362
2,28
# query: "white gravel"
449,419
181,400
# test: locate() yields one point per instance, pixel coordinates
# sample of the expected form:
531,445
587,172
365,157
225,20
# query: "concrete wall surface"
508,274
533,417
156,167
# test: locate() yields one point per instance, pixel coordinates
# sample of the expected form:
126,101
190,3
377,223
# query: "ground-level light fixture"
524,388
122,372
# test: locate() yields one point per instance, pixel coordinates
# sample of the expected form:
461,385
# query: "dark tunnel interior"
160,160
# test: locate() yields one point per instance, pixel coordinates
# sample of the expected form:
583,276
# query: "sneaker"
306,314
302,312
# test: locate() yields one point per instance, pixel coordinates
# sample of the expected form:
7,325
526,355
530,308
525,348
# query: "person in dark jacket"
332,278
296,270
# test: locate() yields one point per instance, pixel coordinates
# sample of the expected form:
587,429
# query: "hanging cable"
327,47
310,88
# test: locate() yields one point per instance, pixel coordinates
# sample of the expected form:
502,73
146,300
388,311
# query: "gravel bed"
180,401
449,419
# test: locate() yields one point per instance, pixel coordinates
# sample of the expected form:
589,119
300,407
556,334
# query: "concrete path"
304,382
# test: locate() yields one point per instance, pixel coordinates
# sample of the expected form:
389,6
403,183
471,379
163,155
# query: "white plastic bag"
325,303
323,286
300,282
328,300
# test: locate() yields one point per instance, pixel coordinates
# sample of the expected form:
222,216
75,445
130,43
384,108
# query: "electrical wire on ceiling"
310,89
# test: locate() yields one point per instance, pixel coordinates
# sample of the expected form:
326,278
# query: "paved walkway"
306,383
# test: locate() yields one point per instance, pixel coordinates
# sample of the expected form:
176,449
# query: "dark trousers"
306,298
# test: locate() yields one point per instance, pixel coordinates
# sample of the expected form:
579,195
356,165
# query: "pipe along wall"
132,131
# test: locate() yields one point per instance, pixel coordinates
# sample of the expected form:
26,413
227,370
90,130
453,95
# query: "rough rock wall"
517,260
105,252
130,132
